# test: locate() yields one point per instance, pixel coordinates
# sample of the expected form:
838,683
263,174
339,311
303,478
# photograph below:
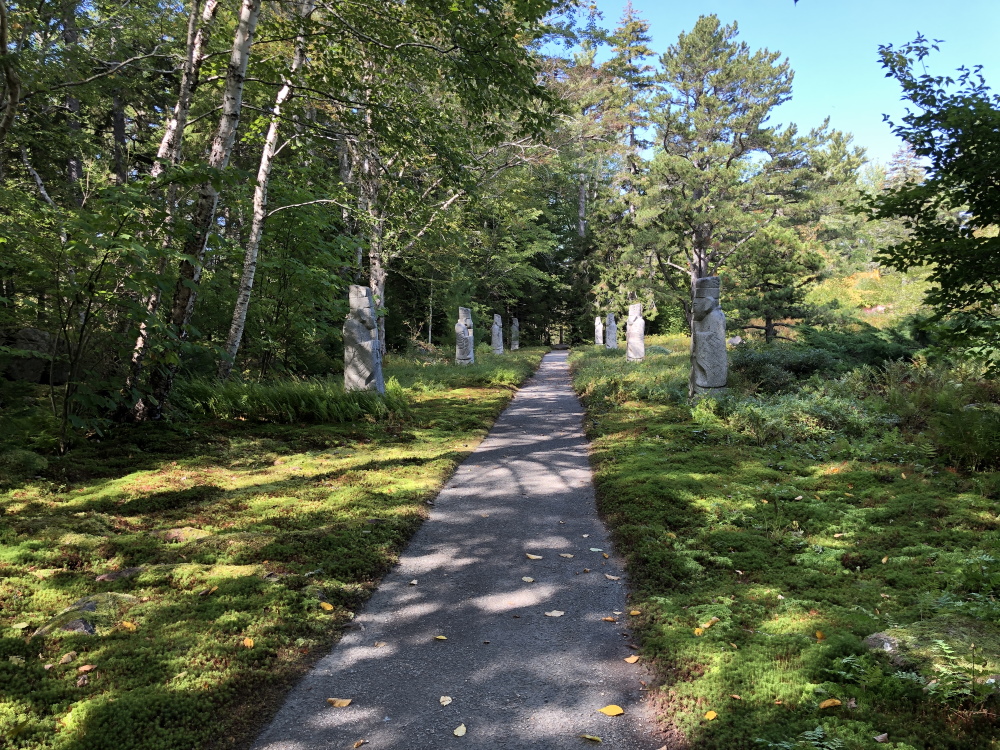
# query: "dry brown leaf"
359,743
565,554
555,613
734,645
631,659
445,700
608,619
829,703
586,570
611,577
248,642
778,701
532,557
612,710
86,668
339,702
711,715
736,697
591,737
459,730
326,606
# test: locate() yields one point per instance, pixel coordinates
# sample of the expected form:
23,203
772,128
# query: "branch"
273,211
36,177
110,71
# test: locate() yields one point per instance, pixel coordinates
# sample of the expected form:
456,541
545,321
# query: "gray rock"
497,334
81,626
598,330
635,334
735,341
116,575
362,353
709,361
465,342
81,615
515,335
611,333
882,642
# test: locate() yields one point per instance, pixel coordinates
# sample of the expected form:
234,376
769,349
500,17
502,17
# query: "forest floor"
216,560
768,535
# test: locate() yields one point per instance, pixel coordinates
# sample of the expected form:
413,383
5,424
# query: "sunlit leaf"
339,702
555,613
532,557
611,577
820,635
528,579
829,703
711,715
440,637
635,613
248,642
459,730
445,700
699,631
631,659
612,710
591,737
326,606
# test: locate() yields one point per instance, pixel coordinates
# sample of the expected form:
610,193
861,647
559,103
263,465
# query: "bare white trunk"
238,324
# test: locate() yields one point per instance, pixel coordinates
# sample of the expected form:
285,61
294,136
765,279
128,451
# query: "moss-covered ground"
768,535
242,549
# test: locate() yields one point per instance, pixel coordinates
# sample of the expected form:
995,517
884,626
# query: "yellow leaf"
820,635
607,556
699,631
710,623
326,606
459,730
635,613
885,559
711,715
555,613
631,659
128,625
591,737
734,646
532,557
359,743
612,710
248,642
608,619
565,554
339,702
528,579
445,700
902,475
440,637
829,703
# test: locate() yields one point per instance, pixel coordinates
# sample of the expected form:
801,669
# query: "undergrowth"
852,502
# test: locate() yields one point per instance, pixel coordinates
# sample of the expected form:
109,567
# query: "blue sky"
832,46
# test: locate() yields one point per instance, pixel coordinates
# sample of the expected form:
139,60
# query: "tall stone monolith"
611,333
709,363
598,330
515,335
362,353
497,334
465,342
635,334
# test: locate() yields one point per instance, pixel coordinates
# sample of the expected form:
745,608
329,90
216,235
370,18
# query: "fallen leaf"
635,613
47,667
459,730
248,642
596,549
798,497
129,625
814,612
68,657
884,737
631,659
585,535
19,625
699,631
326,606
778,701
711,715
837,536
532,557
555,613
445,700
829,703
736,697
885,559
885,596
339,702
86,668
606,556
612,710
440,638
902,475
608,619
780,596
586,570
413,582
359,743
591,737
734,646
380,644
710,623
820,635
528,579
565,554
764,501
611,577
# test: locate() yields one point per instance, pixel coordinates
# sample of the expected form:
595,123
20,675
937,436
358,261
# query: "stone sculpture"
611,333
635,334
709,362
515,335
362,353
598,330
465,342
497,334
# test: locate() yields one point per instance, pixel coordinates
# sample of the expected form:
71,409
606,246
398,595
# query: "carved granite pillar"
709,363
598,330
611,333
497,334
362,353
465,342
515,335
635,334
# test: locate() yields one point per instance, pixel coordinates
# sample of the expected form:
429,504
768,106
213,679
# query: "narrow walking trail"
517,678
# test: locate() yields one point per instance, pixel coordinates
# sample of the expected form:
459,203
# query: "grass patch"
237,551
806,521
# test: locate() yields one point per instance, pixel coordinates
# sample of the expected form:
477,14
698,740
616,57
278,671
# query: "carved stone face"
703,306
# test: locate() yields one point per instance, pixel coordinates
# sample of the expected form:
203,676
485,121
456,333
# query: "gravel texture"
517,678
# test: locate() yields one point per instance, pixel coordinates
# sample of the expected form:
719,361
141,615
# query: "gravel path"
517,678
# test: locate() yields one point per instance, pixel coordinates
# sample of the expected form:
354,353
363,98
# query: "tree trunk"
189,273
581,208
377,274
11,80
259,211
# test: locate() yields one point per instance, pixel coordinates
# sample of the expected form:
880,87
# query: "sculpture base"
464,362
697,392
634,359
